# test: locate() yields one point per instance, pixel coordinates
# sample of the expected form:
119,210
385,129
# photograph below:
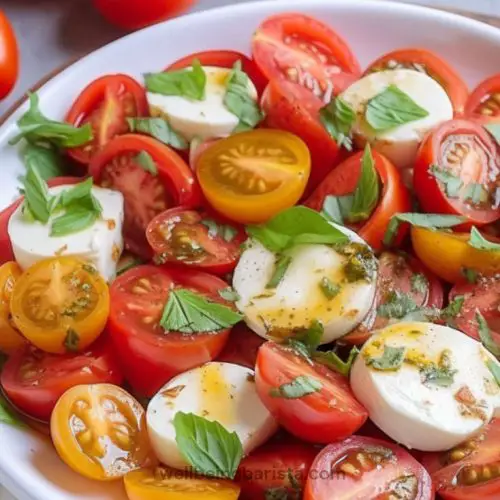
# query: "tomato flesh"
484,102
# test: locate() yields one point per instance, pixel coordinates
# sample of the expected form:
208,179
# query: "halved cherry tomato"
484,102
394,196
250,177
186,237
367,469
60,304
150,355
428,62
449,255
162,483
224,59
9,56
242,347
34,380
10,338
147,193
6,253
324,416
278,469
470,470
483,297
106,103
464,150
400,273
100,431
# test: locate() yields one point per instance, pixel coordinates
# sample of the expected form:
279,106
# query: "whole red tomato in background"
135,14
9,56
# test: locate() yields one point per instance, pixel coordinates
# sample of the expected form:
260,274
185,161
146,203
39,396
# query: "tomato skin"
479,101
107,89
431,196
52,375
242,347
134,14
149,357
312,418
394,196
224,59
9,56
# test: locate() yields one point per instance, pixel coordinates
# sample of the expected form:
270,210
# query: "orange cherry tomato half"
189,238
106,103
394,196
464,150
484,102
10,338
60,304
100,431
161,483
147,193
250,177
9,56
224,59
433,65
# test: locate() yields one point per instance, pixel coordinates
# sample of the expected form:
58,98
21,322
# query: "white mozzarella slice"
205,119
298,299
100,244
408,404
400,143
220,392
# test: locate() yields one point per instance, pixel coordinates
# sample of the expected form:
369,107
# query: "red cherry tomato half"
242,347
484,102
106,103
465,151
363,468
470,470
330,413
428,62
9,56
34,380
147,191
394,196
224,59
150,355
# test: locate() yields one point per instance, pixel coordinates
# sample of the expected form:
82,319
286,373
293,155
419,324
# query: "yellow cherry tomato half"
60,304
10,338
250,177
100,431
162,483
449,254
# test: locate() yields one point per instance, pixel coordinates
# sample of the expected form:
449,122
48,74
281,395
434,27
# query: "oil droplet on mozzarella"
216,395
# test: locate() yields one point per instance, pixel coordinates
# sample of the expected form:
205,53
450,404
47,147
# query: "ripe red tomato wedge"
470,470
394,196
457,172
484,102
363,468
106,103
197,240
150,355
328,414
148,190
276,470
9,56
34,380
428,62
224,59
242,347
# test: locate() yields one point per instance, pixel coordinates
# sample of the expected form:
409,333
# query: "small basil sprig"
160,129
338,119
478,241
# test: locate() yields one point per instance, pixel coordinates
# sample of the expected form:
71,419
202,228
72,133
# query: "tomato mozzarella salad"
266,277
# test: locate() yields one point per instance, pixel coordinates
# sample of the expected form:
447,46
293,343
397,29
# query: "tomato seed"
349,469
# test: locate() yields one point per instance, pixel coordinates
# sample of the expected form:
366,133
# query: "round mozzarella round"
204,119
101,244
400,143
299,298
220,392
441,392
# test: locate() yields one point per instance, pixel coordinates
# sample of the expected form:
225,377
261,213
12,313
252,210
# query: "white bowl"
29,466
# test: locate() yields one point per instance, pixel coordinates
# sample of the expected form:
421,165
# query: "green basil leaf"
127,262
478,241
494,369
8,415
229,294
485,335
188,312
224,231
391,360
280,268
72,340
208,446
337,208
329,288
310,338
419,283
471,275
441,376
146,162
160,129
45,159
36,195
78,194
301,386
391,108
189,82
338,119
494,130
451,183
75,219
397,305
431,221
453,309
476,193
333,361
